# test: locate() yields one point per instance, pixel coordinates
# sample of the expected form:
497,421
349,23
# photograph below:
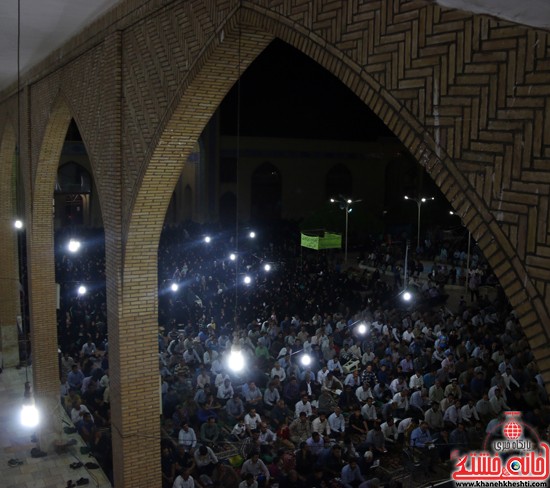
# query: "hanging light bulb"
305,360
235,362
74,245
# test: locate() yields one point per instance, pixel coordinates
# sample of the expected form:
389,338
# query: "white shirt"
337,423
452,414
362,394
302,407
321,427
369,412
352,381
468,413
321,375
280,372
252,422
179,482
389,431
416,382
187,439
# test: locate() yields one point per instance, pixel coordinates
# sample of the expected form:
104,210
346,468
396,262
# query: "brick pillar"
43,327
9,302
131,305
41,266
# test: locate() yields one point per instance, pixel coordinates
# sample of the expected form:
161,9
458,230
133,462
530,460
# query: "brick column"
9,302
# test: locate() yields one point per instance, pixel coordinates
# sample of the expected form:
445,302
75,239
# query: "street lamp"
345,204
419,202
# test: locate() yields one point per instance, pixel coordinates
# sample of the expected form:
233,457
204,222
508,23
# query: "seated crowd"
418,383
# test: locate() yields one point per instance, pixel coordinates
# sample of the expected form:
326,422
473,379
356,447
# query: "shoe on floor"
76,465
82,481
12,463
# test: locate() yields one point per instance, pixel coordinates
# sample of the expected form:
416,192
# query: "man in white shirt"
271,396
337,423
225,391
369,413
452,415
184,480
389,430
322,374
416,381
321,425
498,403
334,366
469,413
434,418
401,398
509,379
187,437
252,420
304,405
363,393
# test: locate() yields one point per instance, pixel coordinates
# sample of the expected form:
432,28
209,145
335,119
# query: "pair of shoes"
92,466
76,465
82,481
12,463
70,484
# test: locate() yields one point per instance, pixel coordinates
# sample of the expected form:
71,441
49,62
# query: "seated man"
211,433
423,445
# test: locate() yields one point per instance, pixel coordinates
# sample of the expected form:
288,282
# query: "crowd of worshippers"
429,383
422,380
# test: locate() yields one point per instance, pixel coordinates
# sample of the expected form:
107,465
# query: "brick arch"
423,142
41,254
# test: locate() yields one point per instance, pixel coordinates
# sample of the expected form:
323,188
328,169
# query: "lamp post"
419,201
345,204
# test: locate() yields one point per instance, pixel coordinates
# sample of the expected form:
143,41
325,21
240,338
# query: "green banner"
326,241
311,242
330,241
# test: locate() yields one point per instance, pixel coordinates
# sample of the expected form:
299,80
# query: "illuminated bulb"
252,235
267,267
247,280
232,256
74,245
29,416
207,239
18,224
174,287
306,360
407,296
235,361
362,328
82,290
